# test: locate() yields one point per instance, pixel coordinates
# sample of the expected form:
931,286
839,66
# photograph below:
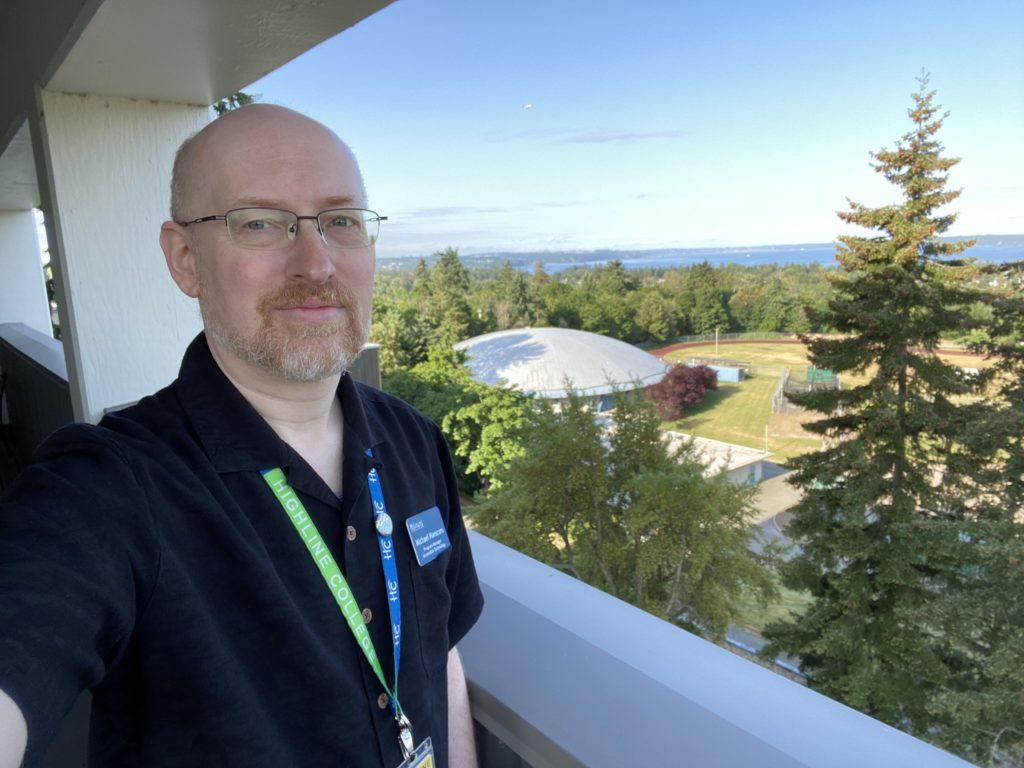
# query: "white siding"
128,323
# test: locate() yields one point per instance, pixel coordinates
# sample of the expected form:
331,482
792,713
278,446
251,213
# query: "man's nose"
310,256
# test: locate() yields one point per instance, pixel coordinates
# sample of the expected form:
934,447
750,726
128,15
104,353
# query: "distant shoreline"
989,248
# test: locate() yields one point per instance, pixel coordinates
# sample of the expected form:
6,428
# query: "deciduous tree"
614,506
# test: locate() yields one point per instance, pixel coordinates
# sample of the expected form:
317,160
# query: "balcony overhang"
196,51
188,51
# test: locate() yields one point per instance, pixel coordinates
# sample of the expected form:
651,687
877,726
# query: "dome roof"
540,360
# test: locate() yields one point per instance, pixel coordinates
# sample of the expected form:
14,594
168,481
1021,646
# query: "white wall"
128,324
22,285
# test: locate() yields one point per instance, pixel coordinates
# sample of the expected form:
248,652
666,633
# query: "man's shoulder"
121,436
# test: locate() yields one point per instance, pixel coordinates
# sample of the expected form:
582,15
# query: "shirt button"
367,615
382,701
351,533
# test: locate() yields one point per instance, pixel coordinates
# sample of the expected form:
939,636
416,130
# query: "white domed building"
540,362
546,362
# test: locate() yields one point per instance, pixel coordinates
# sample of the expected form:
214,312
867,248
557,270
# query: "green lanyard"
339,588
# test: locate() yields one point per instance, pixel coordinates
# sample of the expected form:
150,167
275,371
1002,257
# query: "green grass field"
739,413
755,616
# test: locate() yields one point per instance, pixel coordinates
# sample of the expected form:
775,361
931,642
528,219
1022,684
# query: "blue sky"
658,124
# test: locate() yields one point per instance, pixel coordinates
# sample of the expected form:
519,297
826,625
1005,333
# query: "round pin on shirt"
384,524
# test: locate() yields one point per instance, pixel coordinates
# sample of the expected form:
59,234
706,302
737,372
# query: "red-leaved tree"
682,388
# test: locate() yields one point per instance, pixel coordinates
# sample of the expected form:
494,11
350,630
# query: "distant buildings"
744,466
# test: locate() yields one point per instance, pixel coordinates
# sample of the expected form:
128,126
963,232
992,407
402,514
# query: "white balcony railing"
566,675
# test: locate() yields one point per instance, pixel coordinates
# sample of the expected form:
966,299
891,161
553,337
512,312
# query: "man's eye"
256,224
340,221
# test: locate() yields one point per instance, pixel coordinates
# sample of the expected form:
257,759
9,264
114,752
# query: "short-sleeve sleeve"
467,599
78,560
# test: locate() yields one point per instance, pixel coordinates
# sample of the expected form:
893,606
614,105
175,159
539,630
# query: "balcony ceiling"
186,51
196,51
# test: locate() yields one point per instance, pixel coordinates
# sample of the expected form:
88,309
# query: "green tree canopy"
618,509
482,423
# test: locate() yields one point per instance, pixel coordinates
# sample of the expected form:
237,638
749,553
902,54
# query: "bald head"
246,135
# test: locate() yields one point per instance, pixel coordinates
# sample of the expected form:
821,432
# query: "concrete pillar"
105,185
22,285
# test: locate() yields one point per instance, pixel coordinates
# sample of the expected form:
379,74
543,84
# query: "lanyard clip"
405,741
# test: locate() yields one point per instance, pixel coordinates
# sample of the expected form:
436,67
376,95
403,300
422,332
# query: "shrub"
682,388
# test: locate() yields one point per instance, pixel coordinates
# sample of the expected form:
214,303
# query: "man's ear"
180,257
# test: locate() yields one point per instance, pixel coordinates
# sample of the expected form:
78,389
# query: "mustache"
293,294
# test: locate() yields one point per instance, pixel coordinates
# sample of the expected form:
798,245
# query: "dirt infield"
662,351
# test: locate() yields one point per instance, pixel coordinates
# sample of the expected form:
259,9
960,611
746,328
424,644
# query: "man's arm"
461,745
14,733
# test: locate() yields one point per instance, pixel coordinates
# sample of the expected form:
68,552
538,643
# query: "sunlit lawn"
738,413
735,413
754,616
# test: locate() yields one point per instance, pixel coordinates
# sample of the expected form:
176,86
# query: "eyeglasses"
270,228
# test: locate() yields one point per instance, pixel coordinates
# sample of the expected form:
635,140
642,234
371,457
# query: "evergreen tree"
707,310
513,300
234,101
981,710
447,309
657,318
421,282
885,501
399,331
539,276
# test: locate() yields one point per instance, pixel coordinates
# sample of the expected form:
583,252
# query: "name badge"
429,538
423,757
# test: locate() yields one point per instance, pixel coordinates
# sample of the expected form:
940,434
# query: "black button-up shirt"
147,559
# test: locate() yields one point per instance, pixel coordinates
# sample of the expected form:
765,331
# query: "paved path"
774,496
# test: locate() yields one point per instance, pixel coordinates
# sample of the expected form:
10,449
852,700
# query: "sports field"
739,413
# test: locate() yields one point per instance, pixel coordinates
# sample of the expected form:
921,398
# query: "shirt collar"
237,438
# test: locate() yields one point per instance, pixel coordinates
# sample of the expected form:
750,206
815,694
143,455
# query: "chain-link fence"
745,336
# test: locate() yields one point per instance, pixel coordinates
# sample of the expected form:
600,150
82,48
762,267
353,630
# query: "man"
237,565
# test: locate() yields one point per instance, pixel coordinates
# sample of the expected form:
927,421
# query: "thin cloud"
623,137
454,210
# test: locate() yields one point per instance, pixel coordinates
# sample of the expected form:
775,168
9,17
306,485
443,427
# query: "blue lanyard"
384,526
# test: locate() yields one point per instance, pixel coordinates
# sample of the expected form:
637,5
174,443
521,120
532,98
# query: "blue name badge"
429,538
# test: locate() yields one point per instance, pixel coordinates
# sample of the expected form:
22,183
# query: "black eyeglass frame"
316,219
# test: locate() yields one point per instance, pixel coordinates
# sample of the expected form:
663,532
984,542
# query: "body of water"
824,254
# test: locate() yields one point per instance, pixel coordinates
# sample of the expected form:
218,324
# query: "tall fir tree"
513,302
447,310
708,309
887,497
